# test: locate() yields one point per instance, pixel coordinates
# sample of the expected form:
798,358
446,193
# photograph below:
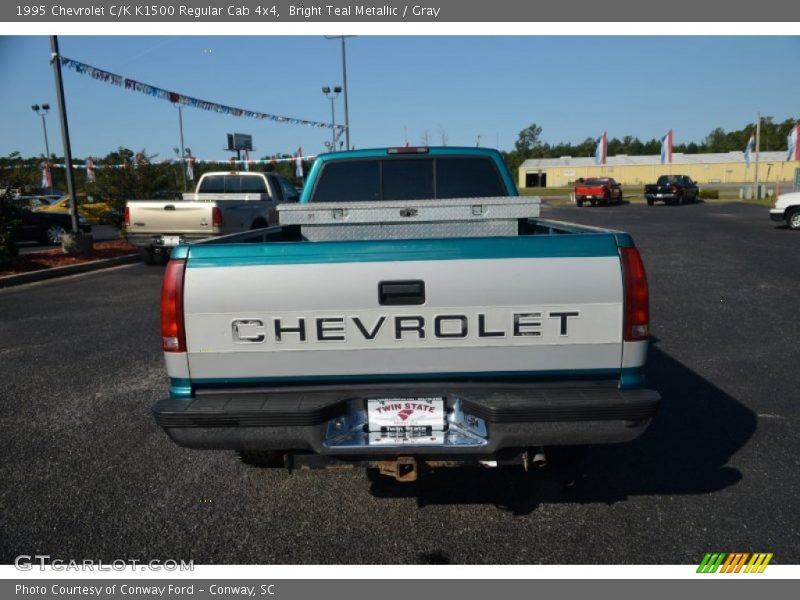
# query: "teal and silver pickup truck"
411,310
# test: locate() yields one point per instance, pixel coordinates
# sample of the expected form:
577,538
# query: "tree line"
116,185
529,143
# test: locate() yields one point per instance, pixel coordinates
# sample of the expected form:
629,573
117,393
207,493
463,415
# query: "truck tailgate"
178,216
507,307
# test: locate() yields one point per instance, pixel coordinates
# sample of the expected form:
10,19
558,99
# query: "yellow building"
719,168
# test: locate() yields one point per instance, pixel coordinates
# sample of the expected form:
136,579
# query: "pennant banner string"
182,99
174,161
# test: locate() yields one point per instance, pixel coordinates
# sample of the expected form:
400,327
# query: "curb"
44,274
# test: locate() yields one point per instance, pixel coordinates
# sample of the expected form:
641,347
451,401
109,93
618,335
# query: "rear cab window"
233,184
413,178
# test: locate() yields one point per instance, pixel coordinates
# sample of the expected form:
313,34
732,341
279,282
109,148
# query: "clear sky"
450,86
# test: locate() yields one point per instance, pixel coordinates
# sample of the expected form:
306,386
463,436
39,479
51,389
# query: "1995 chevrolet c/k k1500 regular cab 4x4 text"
411,310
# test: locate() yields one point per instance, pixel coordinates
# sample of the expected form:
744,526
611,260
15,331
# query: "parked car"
35,201
787,208
598,190
672,189
91,210
33,224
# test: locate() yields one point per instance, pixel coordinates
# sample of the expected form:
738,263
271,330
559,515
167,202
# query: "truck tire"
650,202
148,256
793,219
263,459
594,202
679,201
607,199
579,202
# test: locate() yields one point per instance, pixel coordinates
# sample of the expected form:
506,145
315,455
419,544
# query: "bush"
8,249
709,194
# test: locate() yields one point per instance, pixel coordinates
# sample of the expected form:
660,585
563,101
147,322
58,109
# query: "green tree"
8,219
124,175
528,140
716,141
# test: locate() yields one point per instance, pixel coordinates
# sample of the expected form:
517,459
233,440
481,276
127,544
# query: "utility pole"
758,147
183,151
42,112
332,95
346,109
55,58
344,85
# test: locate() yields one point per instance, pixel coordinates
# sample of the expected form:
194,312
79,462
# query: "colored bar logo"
736,562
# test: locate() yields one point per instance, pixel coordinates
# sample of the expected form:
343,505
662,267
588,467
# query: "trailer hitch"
404,469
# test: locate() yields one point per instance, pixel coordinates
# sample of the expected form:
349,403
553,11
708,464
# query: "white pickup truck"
787,208
411,311
224,202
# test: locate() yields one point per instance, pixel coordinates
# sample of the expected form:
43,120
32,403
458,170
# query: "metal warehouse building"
637,170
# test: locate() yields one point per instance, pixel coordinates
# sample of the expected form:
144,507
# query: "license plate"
659,195
590,197
171,240
406,421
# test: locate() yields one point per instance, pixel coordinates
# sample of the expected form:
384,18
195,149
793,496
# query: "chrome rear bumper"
481,419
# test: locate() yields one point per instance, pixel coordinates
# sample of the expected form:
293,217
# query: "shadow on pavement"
684,451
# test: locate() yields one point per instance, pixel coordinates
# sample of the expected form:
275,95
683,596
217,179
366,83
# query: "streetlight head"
338,89
45,107
35,108
326,90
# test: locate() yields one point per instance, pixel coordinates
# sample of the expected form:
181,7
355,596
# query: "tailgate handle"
169,207
396,293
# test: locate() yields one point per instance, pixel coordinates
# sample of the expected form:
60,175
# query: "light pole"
42,111
183,150
344,83
62,111
332,96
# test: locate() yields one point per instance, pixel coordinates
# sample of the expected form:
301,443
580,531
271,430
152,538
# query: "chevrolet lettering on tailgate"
400,328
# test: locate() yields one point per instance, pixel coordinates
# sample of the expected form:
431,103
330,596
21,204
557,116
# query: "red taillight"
216,216
173,335
674,189
637,296
127,216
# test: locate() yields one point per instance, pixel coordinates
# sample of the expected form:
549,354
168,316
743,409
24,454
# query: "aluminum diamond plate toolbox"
409,219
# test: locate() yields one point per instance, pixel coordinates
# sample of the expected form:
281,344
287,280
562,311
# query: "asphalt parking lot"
87,474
